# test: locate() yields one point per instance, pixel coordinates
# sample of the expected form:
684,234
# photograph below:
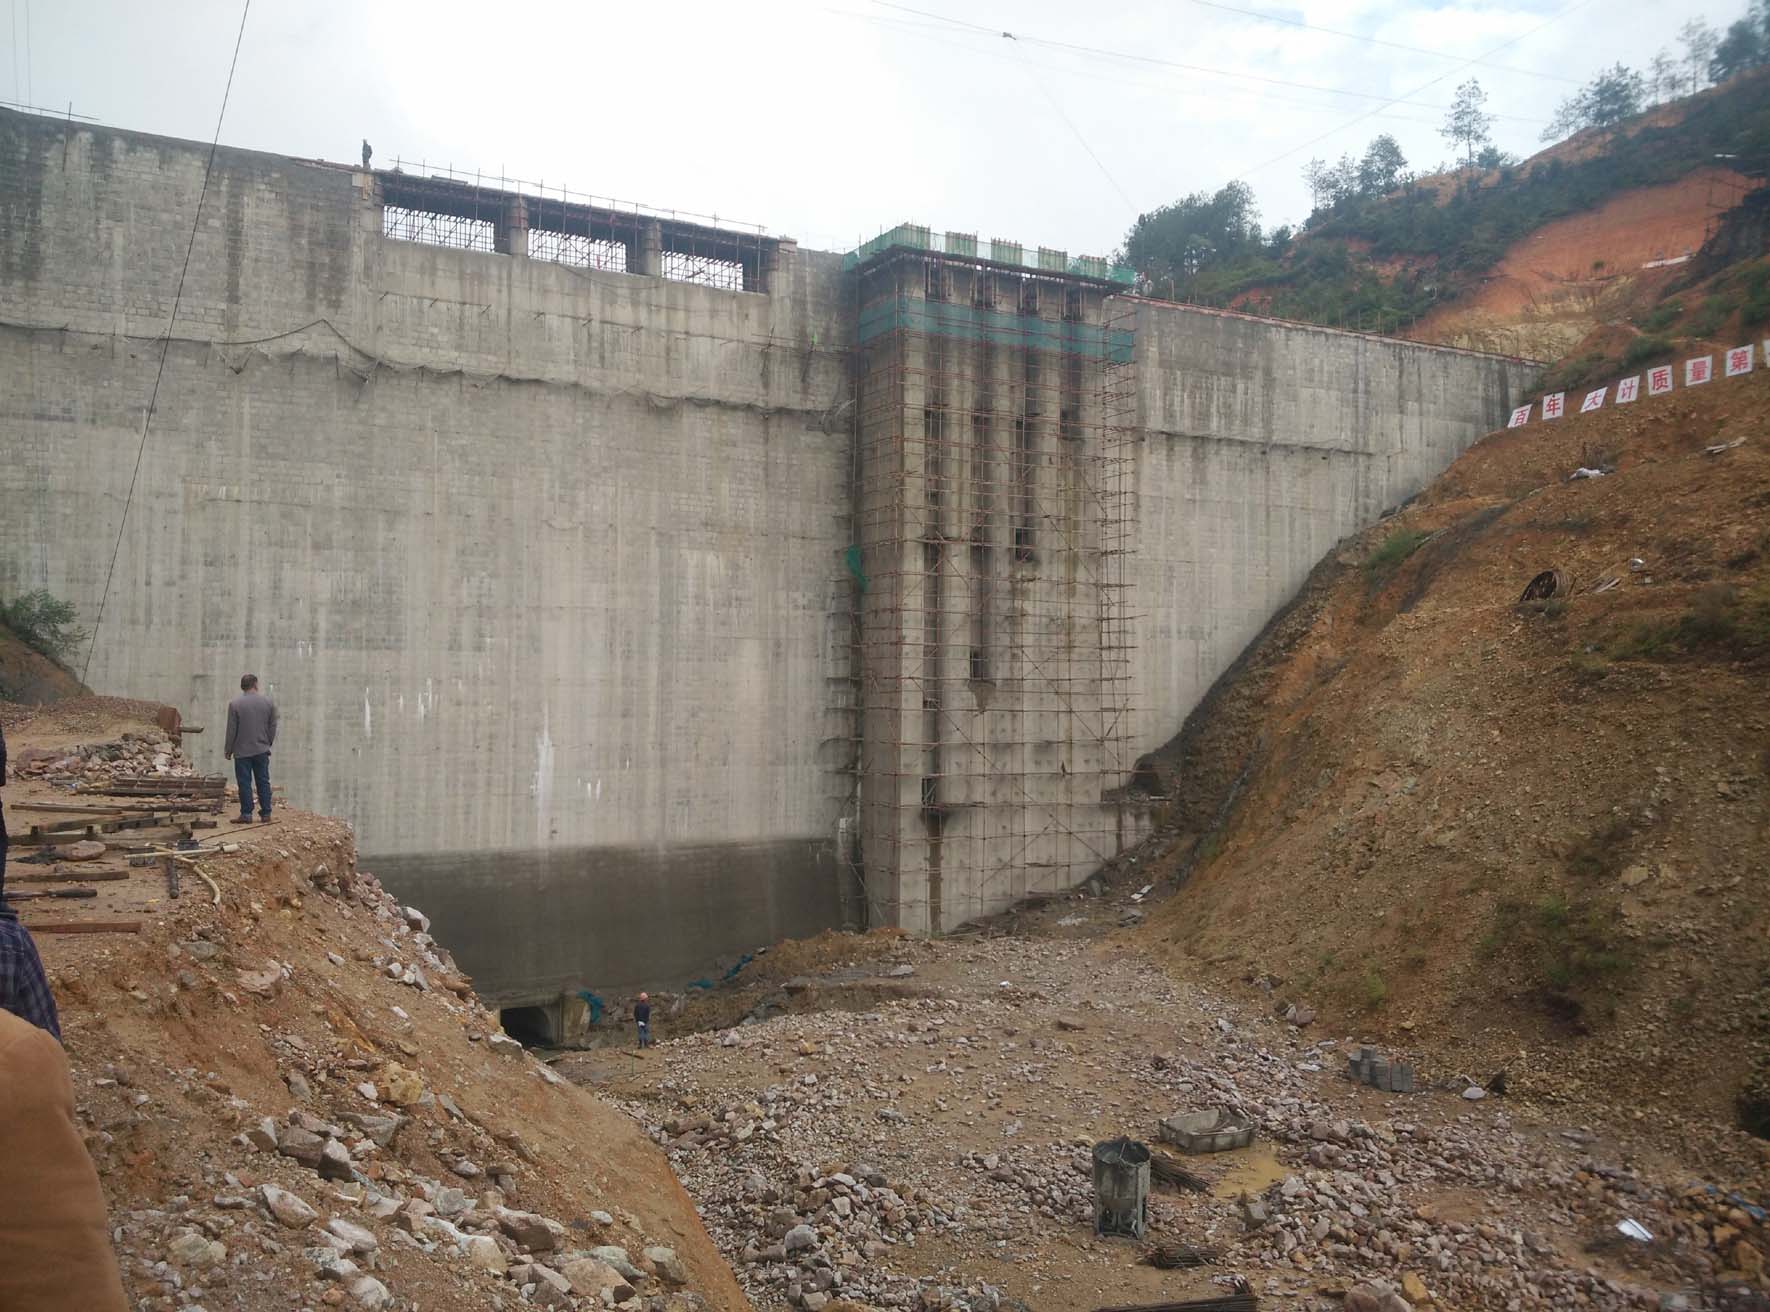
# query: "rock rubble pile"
137,752
948,1125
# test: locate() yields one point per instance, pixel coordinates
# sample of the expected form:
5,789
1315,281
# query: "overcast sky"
828,120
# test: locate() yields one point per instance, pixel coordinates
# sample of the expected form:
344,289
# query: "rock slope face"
294,1099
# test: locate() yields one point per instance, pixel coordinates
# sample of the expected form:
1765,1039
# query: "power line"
1058,109
932,32
1157,61
1375,41
166,343
1353,122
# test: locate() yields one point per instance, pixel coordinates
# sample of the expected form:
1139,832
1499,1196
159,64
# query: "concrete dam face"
644,590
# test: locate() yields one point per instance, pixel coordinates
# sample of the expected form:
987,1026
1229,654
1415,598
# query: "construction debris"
1217,1130
147,754
1368,1066
63,877
1549,584
1121,1188
1168,1171
85,927
1174,1256
1241,1300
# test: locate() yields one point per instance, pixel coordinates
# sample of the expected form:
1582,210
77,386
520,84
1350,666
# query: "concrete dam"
644,589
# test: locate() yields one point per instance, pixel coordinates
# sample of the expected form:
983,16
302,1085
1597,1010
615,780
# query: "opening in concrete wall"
578,249
530,1026
432,228
706,271
982,567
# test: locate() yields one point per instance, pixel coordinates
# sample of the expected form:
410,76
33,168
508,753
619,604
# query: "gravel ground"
935,1152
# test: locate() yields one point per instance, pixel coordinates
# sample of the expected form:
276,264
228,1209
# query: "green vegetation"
1746,45
1754,282
44,623
1603,853
1715,309
1606,101
1575,371
1588,667
1569,945
1383,246
1397,547
1467,122
1720,622
1376,989
1643,349
1662,316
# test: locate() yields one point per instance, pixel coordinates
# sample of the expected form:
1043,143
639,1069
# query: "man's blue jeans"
247,769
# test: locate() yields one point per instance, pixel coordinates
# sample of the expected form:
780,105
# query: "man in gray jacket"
251,731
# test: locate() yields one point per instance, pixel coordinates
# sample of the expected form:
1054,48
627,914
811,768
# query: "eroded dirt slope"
297,1031
1530,837
1569,277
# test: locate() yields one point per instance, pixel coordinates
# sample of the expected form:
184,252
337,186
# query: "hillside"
1526,258
1552,288
28,676
1519,836
294,1098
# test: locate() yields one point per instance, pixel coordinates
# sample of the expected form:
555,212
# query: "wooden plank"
86,927
114,808
120,809
52,839
67,877
87,827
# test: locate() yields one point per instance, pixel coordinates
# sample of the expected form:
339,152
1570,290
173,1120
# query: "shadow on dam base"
529,926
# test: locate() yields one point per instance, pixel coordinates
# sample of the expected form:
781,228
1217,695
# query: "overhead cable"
147,419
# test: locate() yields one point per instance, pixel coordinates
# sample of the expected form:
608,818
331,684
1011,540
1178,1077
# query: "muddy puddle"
1247,1170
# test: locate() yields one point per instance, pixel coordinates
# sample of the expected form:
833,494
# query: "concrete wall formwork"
537,561
546,565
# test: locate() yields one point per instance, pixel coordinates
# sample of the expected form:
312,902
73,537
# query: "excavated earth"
292,1096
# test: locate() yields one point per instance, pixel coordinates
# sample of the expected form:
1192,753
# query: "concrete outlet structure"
646,590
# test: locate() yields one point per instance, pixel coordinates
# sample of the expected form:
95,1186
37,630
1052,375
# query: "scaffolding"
508,217
995,407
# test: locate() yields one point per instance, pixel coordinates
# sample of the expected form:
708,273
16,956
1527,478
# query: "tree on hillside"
1700,44
1468,123
1746,45
1380,170
1608,99
1662,76
1381,167
1179,241
1316,178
